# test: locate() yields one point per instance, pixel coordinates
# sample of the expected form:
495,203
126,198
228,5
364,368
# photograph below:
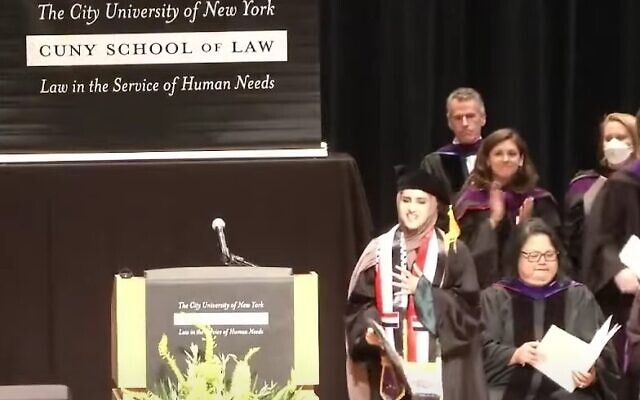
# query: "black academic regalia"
449,164
633,333
457,324
574,216
513,317
614,217
485,242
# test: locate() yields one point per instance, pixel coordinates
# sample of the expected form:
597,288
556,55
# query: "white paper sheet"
630,254
560,353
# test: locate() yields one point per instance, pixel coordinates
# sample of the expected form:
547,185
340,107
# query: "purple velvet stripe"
459,149
580,185
634,168
471,199
478,199
536,293
514,200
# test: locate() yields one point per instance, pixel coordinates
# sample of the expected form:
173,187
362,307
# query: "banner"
154,75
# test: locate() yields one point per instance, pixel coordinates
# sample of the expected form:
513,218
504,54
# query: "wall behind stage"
90,75
550,69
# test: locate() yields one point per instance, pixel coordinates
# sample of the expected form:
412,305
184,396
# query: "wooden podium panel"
128,337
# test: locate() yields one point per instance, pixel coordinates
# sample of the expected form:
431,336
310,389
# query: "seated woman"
517,312
617,147
500,193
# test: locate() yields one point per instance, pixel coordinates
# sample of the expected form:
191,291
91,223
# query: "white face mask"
616,152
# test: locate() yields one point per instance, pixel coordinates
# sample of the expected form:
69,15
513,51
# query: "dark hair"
522,232
525,178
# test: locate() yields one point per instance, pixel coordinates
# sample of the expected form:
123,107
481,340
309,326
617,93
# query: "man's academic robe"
450,164
455,307
514,314
486,243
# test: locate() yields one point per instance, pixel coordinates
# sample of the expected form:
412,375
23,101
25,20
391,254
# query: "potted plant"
206,377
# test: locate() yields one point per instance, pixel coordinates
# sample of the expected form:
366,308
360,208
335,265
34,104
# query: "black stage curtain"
551,69
68,228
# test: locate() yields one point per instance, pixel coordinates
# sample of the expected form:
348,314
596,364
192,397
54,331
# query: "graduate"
618,146
452,164
500,193
517,311
420,284
614,217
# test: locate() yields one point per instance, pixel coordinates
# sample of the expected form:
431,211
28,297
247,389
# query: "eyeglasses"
535,256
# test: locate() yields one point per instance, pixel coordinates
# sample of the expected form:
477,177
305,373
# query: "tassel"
454,231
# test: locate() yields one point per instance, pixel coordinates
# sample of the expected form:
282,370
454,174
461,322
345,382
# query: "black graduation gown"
457,321
486,243
574,217
633,333
512,319
614,217
449,164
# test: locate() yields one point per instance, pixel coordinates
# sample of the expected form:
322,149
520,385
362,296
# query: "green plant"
205,376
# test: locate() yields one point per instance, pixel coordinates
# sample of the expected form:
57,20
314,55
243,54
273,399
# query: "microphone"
218,225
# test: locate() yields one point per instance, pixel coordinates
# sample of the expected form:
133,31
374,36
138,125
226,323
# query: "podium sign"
135,314
246,307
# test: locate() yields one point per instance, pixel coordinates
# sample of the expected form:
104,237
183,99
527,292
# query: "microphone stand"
241,262
232,260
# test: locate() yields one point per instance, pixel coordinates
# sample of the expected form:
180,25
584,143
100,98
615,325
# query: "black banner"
158,75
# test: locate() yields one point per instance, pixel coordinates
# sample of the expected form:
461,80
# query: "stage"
69,227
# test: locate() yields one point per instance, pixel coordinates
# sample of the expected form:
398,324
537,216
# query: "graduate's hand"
372,338
525,354
526,210
584,380
627,281
405,280
496,205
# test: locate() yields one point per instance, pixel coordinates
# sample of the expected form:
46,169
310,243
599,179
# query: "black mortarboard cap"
407,178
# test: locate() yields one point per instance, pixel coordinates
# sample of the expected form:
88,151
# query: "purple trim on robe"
581,184
536,292
478,199
459,149
634,168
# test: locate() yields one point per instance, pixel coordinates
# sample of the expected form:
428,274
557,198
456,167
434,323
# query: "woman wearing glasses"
500,193
518,310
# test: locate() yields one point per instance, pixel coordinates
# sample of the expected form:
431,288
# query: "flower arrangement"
205,376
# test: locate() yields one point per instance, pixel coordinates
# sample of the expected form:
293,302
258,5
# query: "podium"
268,308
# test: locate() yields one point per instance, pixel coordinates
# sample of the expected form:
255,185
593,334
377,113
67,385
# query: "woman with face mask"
617,147
499,194
614,217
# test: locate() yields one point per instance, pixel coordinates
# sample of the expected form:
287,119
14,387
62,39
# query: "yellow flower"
205,376
241,379
163,350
